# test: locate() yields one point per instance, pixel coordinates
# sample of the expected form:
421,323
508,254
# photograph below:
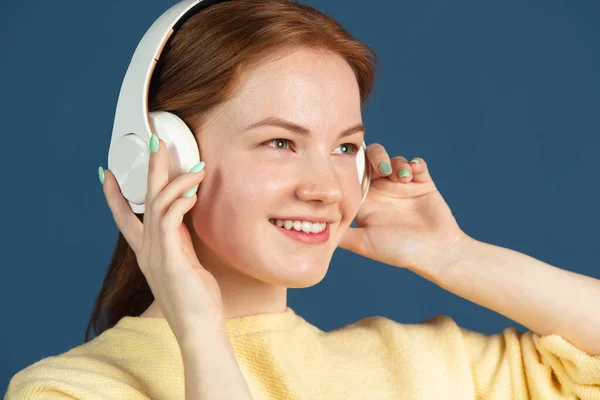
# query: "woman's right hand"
188,295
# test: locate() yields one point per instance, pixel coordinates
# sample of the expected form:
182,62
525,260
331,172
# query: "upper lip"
306,218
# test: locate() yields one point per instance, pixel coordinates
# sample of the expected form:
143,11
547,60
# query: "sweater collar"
249,324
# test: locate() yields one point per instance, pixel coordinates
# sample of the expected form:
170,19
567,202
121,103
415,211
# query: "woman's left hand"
404,221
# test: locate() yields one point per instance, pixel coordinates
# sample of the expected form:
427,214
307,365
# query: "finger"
420,170
171,223
379,161
175,190
402,171
127,222
158,177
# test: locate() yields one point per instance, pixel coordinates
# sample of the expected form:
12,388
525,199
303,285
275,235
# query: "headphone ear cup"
180,141
130,157
364,172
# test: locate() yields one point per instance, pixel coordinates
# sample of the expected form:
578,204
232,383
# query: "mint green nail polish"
190,192
101,174
403,173
414,160
154,143
385,168
198,167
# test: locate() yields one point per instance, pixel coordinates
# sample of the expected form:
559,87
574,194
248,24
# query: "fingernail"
190,192
101,174
198,167
414,160
154,143
403,172
384,167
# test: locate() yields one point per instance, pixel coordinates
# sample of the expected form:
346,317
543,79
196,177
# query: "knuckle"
157,205
163,226
380,151
376,146
400,159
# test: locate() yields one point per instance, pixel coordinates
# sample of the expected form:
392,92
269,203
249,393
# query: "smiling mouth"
300,236
306,227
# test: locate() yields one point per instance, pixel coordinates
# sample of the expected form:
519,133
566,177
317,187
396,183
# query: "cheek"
245,195
352,194
238,197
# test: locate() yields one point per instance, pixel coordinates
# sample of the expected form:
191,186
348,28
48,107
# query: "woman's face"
270,172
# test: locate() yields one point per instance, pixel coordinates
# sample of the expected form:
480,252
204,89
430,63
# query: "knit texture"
282,356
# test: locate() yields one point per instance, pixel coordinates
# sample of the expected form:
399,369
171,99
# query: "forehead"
313,89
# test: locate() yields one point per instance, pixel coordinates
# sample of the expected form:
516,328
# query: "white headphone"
129,153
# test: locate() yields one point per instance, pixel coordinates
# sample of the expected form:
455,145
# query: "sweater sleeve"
57,378
525,365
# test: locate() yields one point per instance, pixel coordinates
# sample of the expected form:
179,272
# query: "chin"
297,272
305,273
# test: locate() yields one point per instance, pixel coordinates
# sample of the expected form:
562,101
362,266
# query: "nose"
319,182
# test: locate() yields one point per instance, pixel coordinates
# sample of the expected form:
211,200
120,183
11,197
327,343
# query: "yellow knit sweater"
282,356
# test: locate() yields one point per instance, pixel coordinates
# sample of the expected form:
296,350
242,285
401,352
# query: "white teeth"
304,226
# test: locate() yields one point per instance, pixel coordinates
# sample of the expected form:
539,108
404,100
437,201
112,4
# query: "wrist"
446,257
205,343
206,329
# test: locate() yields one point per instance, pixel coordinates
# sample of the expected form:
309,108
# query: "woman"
194,302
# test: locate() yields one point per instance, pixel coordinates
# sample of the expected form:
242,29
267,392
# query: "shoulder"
434,326
107,367
374,333
67,376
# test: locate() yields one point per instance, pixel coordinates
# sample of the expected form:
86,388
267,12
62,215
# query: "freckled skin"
249,179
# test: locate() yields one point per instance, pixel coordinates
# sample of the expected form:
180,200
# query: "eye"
280,143
347,148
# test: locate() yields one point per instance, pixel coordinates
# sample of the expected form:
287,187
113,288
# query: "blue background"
500,98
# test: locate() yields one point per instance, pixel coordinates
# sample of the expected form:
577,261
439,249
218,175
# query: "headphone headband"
132,105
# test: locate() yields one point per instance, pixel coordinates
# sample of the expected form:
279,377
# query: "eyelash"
353,153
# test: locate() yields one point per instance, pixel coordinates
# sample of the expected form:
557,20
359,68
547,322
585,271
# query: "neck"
242,295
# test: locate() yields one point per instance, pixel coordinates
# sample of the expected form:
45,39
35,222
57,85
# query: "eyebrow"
274,121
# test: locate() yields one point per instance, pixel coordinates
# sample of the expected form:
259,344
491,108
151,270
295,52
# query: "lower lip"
306,238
